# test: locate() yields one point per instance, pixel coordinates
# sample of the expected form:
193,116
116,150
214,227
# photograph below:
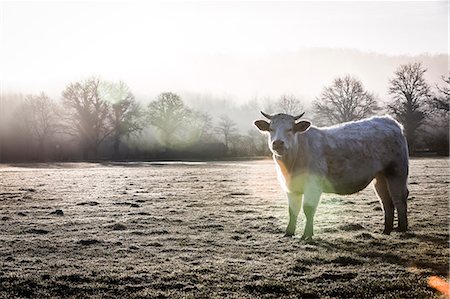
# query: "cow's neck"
294,160
286,164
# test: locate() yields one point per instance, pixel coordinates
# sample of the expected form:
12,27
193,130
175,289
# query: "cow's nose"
277,144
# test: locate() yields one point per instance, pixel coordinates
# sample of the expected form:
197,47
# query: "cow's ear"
302,126
262,125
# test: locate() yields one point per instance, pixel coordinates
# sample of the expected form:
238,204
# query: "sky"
157,45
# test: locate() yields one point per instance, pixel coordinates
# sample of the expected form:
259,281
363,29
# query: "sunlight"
439,284
160,45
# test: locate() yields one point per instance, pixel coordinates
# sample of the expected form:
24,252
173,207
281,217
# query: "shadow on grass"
386,252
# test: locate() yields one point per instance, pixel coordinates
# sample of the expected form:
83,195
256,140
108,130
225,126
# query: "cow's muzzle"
278,147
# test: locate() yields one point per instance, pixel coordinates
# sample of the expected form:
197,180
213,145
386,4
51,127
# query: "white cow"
341,159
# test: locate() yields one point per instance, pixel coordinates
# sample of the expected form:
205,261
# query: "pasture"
208,230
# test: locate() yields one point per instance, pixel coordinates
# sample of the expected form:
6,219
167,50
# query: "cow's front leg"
295,204
311,200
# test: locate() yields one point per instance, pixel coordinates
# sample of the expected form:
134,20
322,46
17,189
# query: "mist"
228,100
223,63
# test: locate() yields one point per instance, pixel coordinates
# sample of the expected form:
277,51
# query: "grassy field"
193,230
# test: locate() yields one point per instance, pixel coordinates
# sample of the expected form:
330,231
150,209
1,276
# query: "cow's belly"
350,176
346,187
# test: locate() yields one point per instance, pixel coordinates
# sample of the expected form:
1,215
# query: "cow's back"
353,153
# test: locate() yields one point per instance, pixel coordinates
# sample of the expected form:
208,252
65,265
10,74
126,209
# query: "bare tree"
410,94
435,129
39,118
126,113
202,126
289,104
345,100
226,127
442,100
87,114
259,143
169,115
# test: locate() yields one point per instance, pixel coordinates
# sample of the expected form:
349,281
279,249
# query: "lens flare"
439,284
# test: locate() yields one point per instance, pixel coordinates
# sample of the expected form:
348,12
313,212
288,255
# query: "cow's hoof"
288,235
401,229
306,238
386,232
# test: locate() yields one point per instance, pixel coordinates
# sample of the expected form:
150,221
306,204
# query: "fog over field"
230,49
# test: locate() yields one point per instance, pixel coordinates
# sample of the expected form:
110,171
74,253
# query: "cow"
341,159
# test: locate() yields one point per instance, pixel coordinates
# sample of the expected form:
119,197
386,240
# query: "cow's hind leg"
399,194
381,187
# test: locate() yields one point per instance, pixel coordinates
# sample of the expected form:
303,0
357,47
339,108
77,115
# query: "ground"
193,230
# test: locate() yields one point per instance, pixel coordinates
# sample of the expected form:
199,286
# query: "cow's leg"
310,202
399,194
295,204
388,206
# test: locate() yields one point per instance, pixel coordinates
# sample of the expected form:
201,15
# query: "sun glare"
439,284
166,43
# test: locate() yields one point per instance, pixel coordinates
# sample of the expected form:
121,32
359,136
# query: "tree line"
98,119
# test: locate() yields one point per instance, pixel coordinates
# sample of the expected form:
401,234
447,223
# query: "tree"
259,142
126,113
289,104
442,100
87,114
201,126
345,100
170,116
435,130
410,94
39,118
226,127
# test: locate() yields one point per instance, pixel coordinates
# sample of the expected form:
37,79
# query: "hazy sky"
155,46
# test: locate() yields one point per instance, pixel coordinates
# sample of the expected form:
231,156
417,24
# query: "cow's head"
281,130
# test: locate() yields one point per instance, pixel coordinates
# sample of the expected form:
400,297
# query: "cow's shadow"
389,249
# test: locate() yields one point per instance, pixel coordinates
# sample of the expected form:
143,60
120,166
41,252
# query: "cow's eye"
289,130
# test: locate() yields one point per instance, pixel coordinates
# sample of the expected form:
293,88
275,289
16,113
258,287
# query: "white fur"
341,159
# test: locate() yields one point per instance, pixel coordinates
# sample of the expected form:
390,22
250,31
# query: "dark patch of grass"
140,213
57,213
37,231
159,232
87,242
436,268
351,227
266,288
384,256
239,194
365,236
299,268
169,286
441,240
75,278
17,287
333,276
207,226
310,262
88,203
118,226
124,203
346,261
